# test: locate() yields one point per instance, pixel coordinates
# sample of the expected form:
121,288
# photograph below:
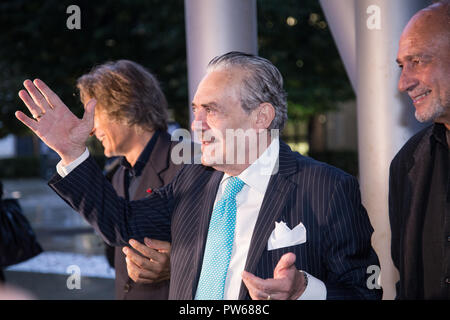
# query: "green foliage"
346,160
295,37
35,42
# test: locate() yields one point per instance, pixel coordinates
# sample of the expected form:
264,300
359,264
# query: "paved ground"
46,286
67,240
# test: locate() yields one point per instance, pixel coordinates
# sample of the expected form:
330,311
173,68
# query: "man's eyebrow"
412,56
405,58
209,104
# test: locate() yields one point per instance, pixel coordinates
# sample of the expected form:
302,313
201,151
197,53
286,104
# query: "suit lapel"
419,170
419,179
160,156
204,217
279,190
419,175
149,174
157,163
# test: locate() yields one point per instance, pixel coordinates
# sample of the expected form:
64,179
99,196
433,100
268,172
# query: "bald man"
419,191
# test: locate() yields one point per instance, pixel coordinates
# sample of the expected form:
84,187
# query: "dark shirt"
133,174
436,226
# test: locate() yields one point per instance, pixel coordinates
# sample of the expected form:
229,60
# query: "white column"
215,27
340,17
367,34
385,116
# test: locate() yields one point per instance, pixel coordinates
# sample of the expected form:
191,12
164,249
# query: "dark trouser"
2,276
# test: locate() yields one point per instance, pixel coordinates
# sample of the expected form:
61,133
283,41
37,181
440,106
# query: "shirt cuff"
315,290
65,170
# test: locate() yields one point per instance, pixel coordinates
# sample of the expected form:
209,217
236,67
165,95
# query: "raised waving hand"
53,122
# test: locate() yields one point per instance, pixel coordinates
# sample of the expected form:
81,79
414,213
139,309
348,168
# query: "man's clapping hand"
149,262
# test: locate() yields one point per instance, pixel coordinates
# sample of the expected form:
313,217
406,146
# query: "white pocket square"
282,236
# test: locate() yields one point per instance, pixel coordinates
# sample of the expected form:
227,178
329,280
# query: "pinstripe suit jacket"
325,199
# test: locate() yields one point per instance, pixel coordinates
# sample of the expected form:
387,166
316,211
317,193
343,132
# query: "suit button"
126,288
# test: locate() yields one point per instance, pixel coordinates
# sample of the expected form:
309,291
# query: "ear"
265,113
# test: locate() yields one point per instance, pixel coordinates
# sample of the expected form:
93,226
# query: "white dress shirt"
248,203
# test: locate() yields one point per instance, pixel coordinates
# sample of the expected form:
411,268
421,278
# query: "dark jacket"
325,199
409,181
158,172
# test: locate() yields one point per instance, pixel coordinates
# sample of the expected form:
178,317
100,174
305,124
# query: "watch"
305,276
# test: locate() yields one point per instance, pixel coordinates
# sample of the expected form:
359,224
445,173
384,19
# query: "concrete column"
385,116
215,27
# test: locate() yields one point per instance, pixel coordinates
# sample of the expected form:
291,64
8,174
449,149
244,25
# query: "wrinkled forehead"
220,82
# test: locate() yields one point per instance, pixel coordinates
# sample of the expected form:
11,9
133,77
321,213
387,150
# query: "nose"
407,81
199,123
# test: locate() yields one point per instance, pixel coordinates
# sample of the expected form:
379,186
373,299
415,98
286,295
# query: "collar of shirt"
136,170
258,174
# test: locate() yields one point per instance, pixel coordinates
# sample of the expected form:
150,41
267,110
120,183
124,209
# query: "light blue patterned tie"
219,244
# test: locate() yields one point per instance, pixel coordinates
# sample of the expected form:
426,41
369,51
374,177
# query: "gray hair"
262,83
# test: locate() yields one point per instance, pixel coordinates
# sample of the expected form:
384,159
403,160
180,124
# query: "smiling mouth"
421,97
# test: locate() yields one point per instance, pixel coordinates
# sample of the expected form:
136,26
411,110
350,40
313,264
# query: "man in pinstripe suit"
301,231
